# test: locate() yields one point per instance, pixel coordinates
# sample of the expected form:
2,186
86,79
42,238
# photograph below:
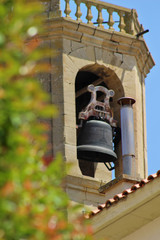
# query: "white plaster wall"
147,232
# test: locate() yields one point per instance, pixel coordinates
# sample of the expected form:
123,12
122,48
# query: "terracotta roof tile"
143,182
158,173
100,207
118,197
151,177
127,191
135,187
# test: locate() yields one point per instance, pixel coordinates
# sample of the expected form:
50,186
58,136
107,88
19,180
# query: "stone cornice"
95,36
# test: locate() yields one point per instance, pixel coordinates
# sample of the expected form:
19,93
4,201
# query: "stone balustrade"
108,16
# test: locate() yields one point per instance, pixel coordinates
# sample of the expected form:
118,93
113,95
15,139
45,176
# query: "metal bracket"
141,33
110,167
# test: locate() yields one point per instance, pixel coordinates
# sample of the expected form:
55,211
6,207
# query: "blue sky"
148,15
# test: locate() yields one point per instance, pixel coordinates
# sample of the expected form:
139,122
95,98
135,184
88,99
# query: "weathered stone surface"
76,195
70,136
102,173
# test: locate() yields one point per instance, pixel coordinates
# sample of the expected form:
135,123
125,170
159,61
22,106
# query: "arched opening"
98,75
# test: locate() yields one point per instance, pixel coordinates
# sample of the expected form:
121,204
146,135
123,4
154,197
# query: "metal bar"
106,22
85,89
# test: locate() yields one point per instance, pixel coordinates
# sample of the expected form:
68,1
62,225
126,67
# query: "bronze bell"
95,142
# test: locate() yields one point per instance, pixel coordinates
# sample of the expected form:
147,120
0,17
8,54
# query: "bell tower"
92,50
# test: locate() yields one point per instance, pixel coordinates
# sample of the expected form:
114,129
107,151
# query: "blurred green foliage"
32,203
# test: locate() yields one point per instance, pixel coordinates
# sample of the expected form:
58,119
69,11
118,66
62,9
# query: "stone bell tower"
91,48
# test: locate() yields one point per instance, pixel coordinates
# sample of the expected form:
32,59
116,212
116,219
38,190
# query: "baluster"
67,10
100,18
89,13
78,12
132,29
121,24
110,19
129,21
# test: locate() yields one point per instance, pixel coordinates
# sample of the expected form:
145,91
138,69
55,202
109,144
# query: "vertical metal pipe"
127,135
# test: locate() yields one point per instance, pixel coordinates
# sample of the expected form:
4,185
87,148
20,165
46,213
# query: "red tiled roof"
118,197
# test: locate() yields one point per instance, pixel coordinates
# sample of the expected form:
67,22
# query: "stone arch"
96,74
